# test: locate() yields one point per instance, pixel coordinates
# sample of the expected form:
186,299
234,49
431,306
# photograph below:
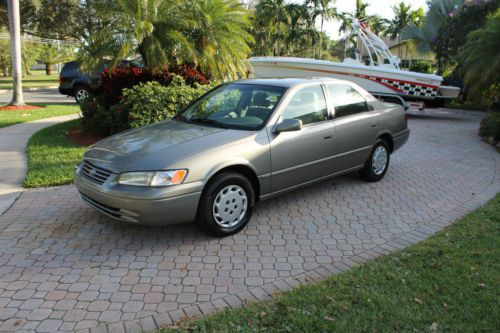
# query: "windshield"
240,106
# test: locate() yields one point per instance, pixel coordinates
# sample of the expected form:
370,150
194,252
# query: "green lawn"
448,283
8,118
51,156
37,80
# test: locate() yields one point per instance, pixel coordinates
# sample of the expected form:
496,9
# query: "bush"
113,81
422,66
147,103
143,104
101,119
490,126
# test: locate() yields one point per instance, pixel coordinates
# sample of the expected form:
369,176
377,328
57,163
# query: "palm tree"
209,33
49,55
481,59
403,16
360,13
275,13
298,23
131,30
378,24
217,36
15,40
326,12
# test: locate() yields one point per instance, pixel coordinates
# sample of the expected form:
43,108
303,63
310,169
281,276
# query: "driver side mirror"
288,125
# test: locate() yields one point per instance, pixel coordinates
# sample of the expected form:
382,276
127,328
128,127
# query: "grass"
8,118
448,283
37,80
51,156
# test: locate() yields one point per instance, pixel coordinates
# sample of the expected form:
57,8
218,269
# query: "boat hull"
377,80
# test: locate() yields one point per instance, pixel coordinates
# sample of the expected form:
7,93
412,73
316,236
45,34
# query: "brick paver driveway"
65,267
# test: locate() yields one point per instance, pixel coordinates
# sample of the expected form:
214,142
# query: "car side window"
346,100
307,104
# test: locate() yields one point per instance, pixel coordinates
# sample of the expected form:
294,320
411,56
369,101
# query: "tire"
82,93
226,204
374,170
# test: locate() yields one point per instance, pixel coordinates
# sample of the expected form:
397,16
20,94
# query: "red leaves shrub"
112,82
190,75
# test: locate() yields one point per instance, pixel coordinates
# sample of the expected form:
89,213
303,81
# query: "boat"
378,72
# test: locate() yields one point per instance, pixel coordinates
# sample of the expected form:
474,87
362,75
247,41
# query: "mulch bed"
81,138
19,107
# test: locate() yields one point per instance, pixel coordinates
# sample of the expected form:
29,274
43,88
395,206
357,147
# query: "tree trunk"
15,44
48,68
320,38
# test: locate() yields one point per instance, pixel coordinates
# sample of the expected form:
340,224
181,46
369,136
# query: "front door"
301,156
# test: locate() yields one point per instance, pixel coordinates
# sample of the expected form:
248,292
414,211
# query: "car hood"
155,147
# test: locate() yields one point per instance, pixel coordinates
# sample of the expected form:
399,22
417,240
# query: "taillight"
406,117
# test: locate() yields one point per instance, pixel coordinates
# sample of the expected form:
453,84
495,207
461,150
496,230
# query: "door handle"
374,124
328,137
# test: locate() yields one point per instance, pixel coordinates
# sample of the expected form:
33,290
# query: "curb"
5,91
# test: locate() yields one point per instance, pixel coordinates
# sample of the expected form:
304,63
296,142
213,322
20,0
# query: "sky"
379,7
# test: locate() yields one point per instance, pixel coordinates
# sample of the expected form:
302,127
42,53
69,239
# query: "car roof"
286,82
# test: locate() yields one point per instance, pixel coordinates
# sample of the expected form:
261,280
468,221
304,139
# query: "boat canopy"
378,52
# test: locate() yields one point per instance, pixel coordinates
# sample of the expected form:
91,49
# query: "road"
66,267
39,96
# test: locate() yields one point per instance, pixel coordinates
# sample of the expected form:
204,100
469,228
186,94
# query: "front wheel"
226,204
378,162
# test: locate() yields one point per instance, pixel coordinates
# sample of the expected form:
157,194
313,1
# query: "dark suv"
73,83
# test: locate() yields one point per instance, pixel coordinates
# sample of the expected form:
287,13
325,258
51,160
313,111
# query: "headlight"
154,178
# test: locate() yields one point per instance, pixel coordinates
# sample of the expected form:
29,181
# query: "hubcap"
81,95
230,206
379,160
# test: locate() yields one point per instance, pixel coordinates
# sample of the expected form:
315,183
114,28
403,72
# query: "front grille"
94,173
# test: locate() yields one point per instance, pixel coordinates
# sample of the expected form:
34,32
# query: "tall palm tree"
326,12
276,14
360,13
378,24
404,16
15,40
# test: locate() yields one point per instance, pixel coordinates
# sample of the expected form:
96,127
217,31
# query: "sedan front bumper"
171,207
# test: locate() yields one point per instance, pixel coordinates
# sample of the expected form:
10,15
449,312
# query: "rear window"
70,68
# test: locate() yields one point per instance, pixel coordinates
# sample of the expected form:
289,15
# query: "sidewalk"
13,160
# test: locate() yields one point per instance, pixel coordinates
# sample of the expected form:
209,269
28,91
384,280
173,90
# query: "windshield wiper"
208,121
181,117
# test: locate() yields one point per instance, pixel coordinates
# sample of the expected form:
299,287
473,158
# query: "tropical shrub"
145,103
114,81
101,119
454,29
490,126
151,102
422,66
481,62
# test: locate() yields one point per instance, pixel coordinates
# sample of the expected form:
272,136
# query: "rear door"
355,123
301,156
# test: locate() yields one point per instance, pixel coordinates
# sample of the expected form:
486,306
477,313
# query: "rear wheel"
81,94
226,204
378,162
